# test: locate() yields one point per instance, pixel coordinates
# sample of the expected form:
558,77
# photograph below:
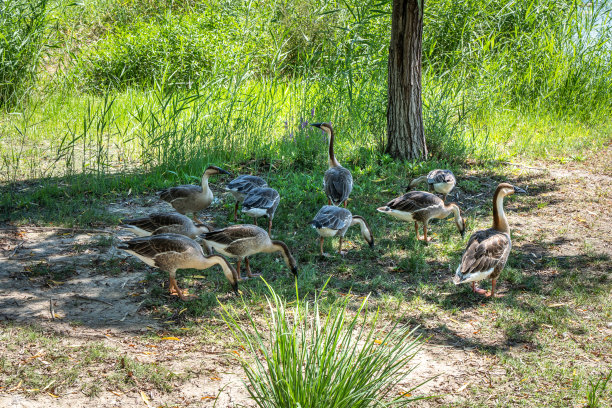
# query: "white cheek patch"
255,212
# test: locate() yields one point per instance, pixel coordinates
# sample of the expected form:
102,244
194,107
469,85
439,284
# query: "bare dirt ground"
101,297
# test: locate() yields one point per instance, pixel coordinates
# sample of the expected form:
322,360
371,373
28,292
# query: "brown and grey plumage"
170,252
333,221
163,223
487,250
190,198
337,181
241,241
440,181
421,206
241,186
261,202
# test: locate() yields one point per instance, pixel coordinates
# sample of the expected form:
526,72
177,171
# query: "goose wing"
484,251
261,198
244,184
157,220
229,235
155,245
440,176
414,201
179,192
332,217
338,184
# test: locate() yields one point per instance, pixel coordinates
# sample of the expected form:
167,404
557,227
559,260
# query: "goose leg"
321,239
425,239
174,289
478,290
238,278
345,202
270,227
340,247
196,219
236,211
248,268
416,230
492,293
328,201
254,220
444,198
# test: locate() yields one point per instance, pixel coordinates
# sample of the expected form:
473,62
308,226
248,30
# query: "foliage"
22,35
313,359
596,390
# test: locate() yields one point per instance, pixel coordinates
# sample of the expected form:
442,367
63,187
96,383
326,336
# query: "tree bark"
405,135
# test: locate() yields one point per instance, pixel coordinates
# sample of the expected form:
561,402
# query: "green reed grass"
312,357
22,36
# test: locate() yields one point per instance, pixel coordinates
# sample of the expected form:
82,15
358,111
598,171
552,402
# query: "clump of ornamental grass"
307,357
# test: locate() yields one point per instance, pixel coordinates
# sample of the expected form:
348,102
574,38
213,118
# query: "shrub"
315,360
22,29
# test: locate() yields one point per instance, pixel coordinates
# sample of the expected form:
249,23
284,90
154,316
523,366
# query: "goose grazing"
333,221
420,206
243,240
487,250
189,198
440,181
261,202
164,223
170,252
241,186
338,181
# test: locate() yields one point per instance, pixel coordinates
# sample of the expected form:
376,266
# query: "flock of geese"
167,240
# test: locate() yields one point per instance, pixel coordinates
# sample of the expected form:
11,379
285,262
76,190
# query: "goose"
243,240
189,198
338,181
421,206
241,186
261,202
441,181
170,252
487,250
163,223
333,221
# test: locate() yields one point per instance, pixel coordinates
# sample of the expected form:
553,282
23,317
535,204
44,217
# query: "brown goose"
170,252
420,206
261,202
441,181
241,186
163,223
487,250
189,198
333,221
243,240
338,181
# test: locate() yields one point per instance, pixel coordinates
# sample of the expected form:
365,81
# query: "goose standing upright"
487,250
242,240
333,221
440,181
241,186
421,206
170,252
261,202
189,198
338,181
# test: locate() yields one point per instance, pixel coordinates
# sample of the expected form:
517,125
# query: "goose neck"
500,222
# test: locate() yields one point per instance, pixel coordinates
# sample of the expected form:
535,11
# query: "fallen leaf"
53,395
145,399
208,397
171,338
464,386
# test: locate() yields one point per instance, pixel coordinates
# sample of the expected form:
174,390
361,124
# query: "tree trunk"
405,136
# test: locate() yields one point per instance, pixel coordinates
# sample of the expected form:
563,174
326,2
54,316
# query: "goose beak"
519,190
235,287
371,243
294,271
316,125
220,170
